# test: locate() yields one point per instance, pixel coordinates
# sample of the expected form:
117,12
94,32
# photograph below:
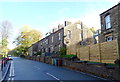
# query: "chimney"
53,30
67,23
58,26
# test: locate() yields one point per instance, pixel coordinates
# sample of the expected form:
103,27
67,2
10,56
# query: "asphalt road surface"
32,70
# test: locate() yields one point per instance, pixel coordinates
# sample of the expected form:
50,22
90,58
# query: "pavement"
32,70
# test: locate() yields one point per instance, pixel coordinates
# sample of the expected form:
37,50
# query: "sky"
43,15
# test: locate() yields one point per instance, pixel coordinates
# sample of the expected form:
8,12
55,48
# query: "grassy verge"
68,56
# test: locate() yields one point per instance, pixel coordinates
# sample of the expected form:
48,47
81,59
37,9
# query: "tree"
26,38
93,30
5,31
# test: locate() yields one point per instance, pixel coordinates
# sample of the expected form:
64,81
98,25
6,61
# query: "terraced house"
68,35
110,24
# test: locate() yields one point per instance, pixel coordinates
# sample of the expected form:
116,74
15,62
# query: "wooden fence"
106,52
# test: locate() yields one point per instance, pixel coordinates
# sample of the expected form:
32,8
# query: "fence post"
89,53
99,44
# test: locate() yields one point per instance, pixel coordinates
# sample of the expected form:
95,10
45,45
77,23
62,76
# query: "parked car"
9,57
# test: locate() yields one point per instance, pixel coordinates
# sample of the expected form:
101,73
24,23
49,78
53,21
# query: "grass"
108,64
68,56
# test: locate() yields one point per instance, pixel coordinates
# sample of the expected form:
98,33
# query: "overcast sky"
45,14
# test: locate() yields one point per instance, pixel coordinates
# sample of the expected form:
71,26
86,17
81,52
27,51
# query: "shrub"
62,52
38,53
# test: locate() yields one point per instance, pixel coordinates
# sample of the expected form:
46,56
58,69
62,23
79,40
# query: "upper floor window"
46,41
46,50
107,21
69,34
59,36
79,26
80,36
52,38
41,43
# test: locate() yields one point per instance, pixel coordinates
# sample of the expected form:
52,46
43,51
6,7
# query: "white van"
9,57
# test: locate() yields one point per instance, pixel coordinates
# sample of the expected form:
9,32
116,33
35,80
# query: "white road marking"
53,76
12,79
37,67
8,79
11,70
11,75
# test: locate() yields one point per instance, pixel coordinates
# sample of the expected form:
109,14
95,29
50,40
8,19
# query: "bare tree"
5,32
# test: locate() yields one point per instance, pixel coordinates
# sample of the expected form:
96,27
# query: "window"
52,38
69,34
46,50
59,36
80,36
46,41
41,43
107,21
52,48
109,38
79,26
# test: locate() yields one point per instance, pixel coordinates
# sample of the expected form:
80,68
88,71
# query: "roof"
110,9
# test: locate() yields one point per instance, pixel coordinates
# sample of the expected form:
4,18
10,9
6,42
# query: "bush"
61,52
38,53
69,56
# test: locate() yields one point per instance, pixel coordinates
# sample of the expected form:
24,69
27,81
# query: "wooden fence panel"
95,53
106,52
109,51
71,49
84,53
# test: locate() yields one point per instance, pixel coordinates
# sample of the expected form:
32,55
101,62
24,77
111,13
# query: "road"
32,70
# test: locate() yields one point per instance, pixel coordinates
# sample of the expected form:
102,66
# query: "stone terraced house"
68,35
110,24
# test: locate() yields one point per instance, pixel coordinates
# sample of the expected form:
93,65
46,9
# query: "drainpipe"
82,35
118,38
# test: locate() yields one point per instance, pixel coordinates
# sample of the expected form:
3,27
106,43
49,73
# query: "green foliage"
4,43
93,30
26,38
68,56
39,53
62,52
